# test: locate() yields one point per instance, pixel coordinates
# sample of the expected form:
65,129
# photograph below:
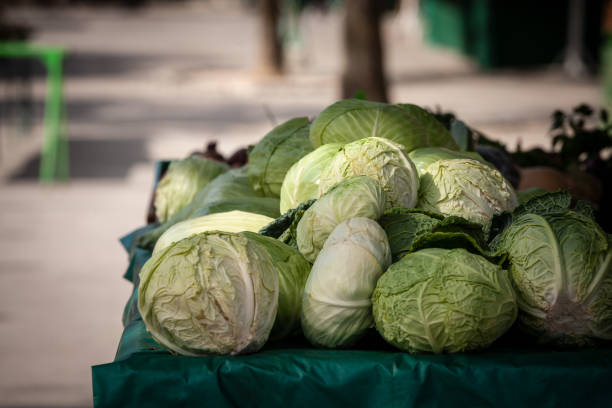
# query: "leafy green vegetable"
439,300
301,182
272,157
466,188
212,293
230,221
380,159
561,267
357,196
336,307
293,271
182,182
410,229
353,119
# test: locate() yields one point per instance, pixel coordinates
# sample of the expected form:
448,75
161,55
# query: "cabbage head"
466,188
301,182
336,308
561,267
357,196
182,182
443,301
378,158
272,157
352,119
293,271
212,293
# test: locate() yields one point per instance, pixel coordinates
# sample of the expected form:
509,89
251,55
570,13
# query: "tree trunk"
271,46
363,71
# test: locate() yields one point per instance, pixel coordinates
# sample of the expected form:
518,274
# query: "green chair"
54,162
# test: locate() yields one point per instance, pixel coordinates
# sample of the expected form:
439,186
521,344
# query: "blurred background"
93,93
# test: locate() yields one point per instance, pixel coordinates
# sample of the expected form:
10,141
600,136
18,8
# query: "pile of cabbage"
371,219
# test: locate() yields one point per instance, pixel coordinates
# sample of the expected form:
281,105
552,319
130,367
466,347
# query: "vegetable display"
384,227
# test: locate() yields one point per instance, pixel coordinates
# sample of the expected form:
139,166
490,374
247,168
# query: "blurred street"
160,82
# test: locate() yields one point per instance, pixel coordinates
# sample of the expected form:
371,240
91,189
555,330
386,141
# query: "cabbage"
301,182
380,159
293,271
231,221
336,308
443,301
182,182
357,196
561,267
353,119
212,293
272,157
466,188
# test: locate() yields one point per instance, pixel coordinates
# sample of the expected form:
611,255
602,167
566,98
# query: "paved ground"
159,83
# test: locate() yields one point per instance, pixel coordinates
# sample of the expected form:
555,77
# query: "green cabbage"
336,308
561,267
353,119
443,301
272,157
357,196
380,159
212,293
466,188
425,156
182,182
301,182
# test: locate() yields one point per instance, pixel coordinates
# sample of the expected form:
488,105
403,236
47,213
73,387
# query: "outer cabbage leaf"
336,308
561,266
466,188
357,196
212,293
182,182
380,159
293,271
443,301
272,157
353,119
230,221
425,156
301,182
411,229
